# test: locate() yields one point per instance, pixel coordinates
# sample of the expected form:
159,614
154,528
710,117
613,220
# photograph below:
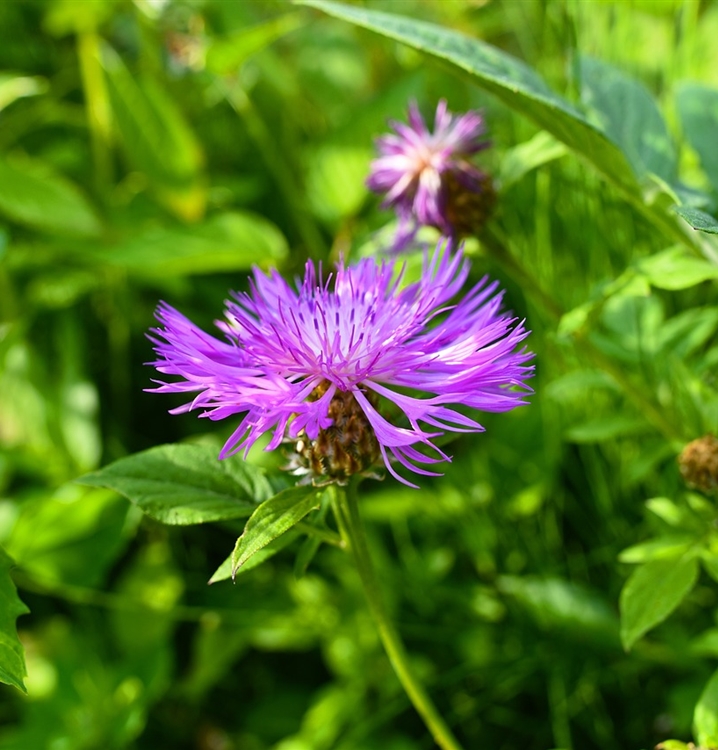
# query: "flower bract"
390,365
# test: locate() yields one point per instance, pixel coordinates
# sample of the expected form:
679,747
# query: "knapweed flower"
428,178
353,369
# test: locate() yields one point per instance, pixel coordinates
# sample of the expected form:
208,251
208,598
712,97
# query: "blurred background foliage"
158,149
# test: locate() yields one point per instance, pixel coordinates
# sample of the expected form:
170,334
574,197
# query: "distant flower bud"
698,463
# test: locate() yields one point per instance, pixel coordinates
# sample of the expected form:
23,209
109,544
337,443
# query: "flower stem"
350,525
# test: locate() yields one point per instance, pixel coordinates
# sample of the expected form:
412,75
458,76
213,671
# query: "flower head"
428,178
353,369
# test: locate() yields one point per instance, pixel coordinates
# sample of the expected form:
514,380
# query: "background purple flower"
426,177
405,354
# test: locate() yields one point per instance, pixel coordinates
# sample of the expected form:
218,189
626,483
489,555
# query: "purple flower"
353,368
427,177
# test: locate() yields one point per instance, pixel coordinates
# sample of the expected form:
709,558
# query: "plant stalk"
350,525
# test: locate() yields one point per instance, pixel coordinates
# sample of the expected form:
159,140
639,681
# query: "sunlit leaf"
271,519
13,87
705,716
185,484
12,655
653,591
676,268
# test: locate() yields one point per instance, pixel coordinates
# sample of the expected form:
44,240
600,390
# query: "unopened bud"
698,463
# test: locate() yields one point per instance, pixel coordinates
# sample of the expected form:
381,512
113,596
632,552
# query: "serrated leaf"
12,655
185,484
224,571
677,268
33,194
271,519
628,114
509,79
698,219
705,716
652,592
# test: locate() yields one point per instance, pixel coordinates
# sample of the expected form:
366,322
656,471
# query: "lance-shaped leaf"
652,592
510,80
185,484
12,656
271,519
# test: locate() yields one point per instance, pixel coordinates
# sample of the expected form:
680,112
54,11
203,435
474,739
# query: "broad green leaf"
670,513
522,159
226,54
509,79
230,241
705,716
33,194
625,110
677,268
12,655
224,571
156,138
185,484
13,87
652,592
698,219
271,519
662,548
698,110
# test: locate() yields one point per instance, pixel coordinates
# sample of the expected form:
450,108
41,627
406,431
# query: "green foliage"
12,660
159,151
185,484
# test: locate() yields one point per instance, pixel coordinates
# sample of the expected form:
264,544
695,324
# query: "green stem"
346,509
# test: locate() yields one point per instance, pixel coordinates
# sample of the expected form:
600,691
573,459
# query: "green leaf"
652,592
677,268
271,519
156,138
509,79
12,655
185,484
698,111
13,87
698,219
705,716
625,110
525,157
224,571
662,548
229,241
33,194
